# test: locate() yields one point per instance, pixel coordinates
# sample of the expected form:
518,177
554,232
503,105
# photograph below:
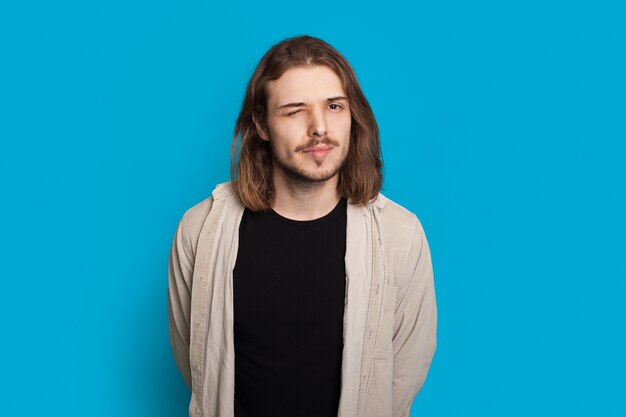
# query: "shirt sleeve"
414,340
180,272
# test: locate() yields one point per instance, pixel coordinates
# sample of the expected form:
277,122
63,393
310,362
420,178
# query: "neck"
304,200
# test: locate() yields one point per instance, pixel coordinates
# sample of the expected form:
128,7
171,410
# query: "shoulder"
196,214
400,225
194,218
404,240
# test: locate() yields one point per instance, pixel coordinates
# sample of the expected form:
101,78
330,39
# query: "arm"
414,340
180,272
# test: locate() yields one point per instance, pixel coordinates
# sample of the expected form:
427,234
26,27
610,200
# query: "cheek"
344,127
343,122
288,133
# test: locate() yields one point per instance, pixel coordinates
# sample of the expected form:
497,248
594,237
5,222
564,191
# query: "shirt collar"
225,189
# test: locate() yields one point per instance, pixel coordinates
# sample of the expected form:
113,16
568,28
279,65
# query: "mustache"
314,142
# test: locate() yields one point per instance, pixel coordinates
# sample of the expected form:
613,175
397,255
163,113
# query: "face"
308,124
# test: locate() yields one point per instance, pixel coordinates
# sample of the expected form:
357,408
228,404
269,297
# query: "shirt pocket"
384,337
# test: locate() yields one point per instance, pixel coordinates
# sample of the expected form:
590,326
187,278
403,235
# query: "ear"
260,129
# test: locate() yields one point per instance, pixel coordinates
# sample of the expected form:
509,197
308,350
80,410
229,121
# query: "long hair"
360,177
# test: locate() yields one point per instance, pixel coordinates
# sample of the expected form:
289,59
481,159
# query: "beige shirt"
390,315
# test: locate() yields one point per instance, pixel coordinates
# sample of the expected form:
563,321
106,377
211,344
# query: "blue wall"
502,126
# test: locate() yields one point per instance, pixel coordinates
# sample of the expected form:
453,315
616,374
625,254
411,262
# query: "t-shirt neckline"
322,219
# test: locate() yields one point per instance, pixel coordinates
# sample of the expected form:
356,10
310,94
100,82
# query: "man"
297,289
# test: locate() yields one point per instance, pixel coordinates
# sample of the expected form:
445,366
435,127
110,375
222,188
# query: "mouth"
318,151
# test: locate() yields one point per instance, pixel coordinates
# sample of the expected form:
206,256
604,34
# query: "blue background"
502,127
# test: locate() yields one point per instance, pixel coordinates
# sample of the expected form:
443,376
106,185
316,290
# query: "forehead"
304,84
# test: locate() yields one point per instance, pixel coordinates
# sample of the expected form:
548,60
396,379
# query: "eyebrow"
304,104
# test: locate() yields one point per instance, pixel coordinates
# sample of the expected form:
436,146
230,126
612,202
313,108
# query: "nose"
317,123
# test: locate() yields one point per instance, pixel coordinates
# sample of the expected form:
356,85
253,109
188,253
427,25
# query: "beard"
302,179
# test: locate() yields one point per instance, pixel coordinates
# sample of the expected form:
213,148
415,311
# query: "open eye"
337,106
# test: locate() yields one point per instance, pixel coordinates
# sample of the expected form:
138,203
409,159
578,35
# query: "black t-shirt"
289,289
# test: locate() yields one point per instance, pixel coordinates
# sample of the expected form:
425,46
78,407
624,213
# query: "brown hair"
360,178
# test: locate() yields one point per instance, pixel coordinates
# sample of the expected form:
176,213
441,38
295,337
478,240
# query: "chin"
321,178
305,173
317,176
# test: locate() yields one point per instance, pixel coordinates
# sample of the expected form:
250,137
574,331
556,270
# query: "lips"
318,151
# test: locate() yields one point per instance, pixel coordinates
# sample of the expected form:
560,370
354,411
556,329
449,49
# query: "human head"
360,177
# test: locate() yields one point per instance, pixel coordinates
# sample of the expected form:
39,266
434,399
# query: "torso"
289,291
